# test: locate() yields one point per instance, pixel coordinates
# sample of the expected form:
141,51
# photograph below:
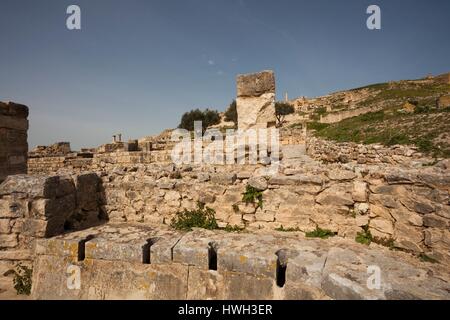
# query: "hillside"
403,112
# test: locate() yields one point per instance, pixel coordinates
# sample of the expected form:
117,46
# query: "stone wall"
256,100
33,207
13,139
331,152
408,207
100,161
58,149
334,117
444,102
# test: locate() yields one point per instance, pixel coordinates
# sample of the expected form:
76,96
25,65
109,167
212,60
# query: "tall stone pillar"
256,100
13,139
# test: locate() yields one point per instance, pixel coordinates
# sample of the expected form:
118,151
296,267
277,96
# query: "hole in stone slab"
82,247
212,256
281,268
146,251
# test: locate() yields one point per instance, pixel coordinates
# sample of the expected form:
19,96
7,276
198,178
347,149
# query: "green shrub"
207,117
252,195
424,258
320,233
23,279
424,145
419,109
202,217
364,237
231,113
282,109
316,126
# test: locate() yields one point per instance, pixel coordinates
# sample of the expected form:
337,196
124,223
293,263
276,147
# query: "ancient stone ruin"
13,139
256,100
107,213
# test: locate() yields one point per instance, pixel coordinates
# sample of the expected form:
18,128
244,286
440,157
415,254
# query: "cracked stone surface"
248,267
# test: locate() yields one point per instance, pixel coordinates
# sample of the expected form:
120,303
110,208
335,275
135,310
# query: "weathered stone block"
256,84
8,240
256,100
224,178
5,226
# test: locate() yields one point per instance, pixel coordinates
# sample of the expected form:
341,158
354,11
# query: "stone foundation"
130,262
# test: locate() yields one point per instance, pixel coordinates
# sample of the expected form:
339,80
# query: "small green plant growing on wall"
202,217
364,237
283,229
253,195
424,258
320,233
22,279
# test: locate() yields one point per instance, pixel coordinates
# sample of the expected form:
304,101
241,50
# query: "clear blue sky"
137,65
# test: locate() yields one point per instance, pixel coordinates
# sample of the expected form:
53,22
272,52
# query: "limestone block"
224,178
259,183
13,207
359,192
32,186
431,220
256,84
5,226
8,240
336,197
86,186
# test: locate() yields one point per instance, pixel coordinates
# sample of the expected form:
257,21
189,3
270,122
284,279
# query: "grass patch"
23,279
282,229
320,233
202,217
364,237
424,258
316,126
253,195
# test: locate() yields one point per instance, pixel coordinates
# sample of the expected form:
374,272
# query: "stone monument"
256,100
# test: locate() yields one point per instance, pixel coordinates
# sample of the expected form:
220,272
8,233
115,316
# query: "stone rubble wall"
138,262
13,139
100,161
409,208
331,152
59,149
33,207
335,117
